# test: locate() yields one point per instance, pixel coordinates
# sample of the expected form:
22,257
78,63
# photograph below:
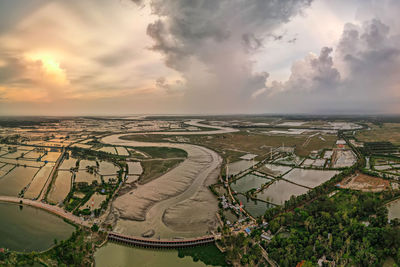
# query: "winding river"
178,203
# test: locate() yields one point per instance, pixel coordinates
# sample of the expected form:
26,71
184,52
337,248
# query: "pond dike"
155,243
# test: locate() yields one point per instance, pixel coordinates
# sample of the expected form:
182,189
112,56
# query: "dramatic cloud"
211,42
199,56
362,75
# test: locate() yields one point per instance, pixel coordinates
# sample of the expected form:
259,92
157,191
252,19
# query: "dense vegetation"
209,254
78,250
350,228
163,152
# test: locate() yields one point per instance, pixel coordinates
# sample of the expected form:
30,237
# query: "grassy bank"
153,169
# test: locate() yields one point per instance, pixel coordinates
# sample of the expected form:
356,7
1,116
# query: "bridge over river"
154,243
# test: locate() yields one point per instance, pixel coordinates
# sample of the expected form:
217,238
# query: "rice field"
33,155
16,154
16,180
86,177
38,182
309,178
83,164
23,162
122,151
51,156
68,163
134,167
280,191
107,168
5,168
108,149
61,187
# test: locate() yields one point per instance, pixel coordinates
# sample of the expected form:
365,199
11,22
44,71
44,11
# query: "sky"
119,57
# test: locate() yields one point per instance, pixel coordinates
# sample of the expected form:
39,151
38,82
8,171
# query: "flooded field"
16,180
309,178
280,191
344,158
239,166
275,170
254,207
249,182
30,229
116,255
39,181
61,187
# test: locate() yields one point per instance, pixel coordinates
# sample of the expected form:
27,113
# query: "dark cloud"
211,43
251,42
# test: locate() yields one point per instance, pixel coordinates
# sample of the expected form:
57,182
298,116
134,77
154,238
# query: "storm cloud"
210,43
361,75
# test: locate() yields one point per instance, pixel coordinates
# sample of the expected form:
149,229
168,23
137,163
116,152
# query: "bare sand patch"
365,183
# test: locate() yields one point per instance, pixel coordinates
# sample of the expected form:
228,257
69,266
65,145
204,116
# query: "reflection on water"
30,229
254,207
280,191
249,182
114,255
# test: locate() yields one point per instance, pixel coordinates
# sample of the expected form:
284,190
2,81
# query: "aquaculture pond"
280,191
309,178
256,208
239,166
24,228
249,182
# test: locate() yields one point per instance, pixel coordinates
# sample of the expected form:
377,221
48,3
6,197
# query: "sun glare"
50,66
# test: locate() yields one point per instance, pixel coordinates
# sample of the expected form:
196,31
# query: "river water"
114,255
30,229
